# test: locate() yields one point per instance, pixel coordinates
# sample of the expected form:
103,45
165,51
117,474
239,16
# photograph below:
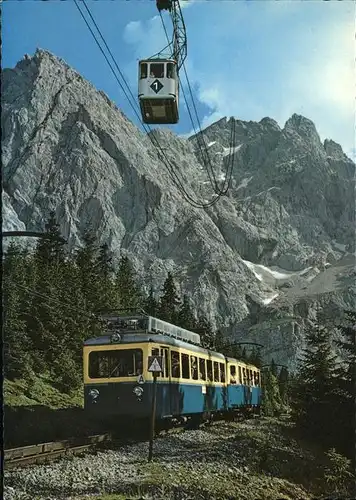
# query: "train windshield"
115,363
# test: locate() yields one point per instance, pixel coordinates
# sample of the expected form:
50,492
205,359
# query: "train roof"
154,338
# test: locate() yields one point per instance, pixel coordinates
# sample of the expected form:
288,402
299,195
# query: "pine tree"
169,302
204,329
220,344
185,317
104,271
86,259
283,384
244,356
347,387
47,324
51,250
236,351
273,368
17,344
129,294
255,357
315,393
271,402
150,305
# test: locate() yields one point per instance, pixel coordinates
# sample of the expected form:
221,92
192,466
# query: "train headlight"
94,393
138,391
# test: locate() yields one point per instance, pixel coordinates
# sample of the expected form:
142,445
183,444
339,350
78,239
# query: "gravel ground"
208,463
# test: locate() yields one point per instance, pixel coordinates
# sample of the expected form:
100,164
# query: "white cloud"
272,59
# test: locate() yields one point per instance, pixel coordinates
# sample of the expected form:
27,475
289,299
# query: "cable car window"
170,70
216,372
202,369
175,363
257,378
240,375
143,70
116,363
244,376
222,372
185,366
232,374
194,367
209,367
156,70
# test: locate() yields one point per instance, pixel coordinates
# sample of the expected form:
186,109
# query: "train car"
195,383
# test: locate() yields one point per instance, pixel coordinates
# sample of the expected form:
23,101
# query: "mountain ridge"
68,148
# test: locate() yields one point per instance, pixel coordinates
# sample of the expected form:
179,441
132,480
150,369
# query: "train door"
163,408
224,377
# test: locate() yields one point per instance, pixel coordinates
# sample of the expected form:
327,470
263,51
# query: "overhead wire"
161,154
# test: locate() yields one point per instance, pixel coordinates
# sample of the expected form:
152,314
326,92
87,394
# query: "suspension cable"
161,154
214,184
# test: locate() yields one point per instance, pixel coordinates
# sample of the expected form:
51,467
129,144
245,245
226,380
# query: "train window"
202,369
143,70
185,366
244,376
240,376
216,372
193,367
156,70
209,368
250,378
232,374
175,364
257,379
155,352
170,70
222,372
115,363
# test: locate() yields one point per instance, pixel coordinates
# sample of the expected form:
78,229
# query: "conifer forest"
53,300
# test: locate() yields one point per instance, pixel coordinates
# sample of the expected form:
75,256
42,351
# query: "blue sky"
247,59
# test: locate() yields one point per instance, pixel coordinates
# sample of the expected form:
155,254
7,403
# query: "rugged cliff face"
281,242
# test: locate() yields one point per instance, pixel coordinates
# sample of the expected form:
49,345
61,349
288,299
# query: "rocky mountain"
280,244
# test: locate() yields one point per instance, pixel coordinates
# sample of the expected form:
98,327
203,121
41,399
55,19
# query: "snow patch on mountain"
269,299
229,151
244,182
339,246
272,277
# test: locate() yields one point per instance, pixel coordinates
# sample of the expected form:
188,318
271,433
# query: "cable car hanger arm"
179,42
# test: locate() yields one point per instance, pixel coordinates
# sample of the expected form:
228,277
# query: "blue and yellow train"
196,383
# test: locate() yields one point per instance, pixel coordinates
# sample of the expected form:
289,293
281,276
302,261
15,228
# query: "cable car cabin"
158,91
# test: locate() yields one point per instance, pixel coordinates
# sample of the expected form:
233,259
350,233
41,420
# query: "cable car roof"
158,59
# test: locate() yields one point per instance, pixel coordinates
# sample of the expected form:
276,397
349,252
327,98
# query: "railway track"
26,455
44,452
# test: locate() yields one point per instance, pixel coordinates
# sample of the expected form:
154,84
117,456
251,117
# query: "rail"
26,455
